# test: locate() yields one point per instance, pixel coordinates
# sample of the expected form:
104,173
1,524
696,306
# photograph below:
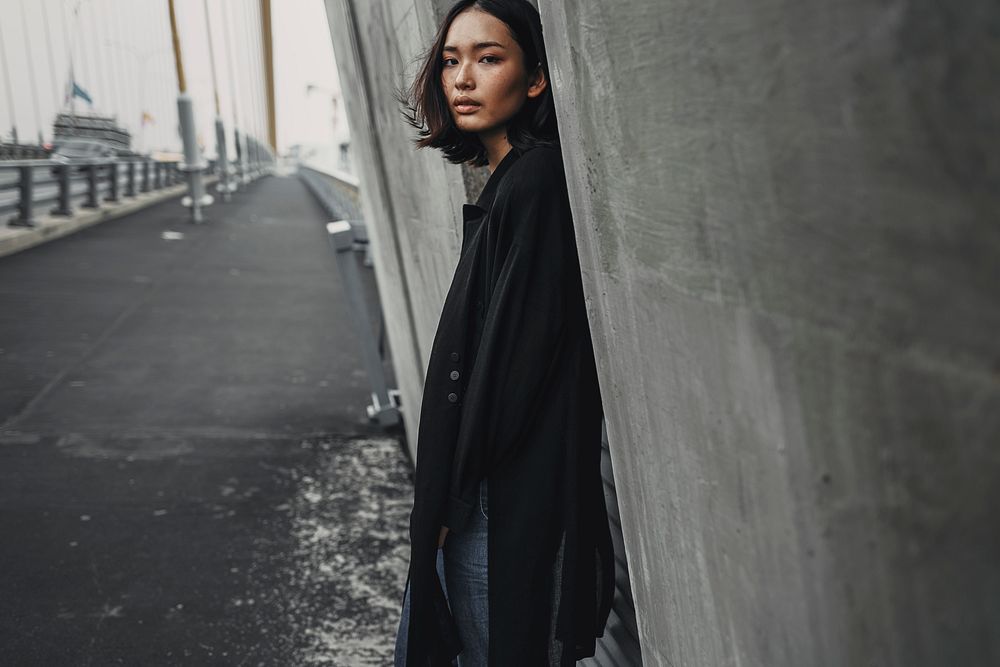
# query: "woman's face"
481,62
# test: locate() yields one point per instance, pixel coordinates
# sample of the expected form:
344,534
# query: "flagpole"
83,53
71,36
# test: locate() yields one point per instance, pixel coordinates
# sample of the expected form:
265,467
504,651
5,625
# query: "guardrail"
26,185
339,195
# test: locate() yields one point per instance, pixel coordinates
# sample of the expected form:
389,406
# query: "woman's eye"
489,59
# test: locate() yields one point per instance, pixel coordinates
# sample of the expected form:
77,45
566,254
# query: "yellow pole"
265,29
181,85
211,58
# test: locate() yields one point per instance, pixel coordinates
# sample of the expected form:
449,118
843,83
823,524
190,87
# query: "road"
187,476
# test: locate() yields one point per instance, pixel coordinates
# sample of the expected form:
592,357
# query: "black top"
511,394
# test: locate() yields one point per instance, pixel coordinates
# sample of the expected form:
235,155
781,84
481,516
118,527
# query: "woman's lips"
466,108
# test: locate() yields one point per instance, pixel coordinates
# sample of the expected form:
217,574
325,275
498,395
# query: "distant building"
103,129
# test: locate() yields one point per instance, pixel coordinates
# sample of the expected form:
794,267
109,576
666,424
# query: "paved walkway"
187,475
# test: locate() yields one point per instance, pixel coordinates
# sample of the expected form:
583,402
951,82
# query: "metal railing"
384,408
26,186
339,195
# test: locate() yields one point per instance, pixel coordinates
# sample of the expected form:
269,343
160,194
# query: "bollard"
145,176
225,186
241,158
130,187
91,187
383,409
63,206
193,166
112,195
157,175
25,187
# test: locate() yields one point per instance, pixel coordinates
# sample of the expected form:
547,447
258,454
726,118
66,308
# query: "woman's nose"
463,79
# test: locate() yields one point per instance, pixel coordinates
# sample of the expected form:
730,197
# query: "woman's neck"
496,146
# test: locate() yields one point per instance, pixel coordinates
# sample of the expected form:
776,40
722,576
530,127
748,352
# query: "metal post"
145,176
91,187
63,174
193,164
222,186
130,187
157,175
247,176
113,182
25,188
382,409
241,147
237,160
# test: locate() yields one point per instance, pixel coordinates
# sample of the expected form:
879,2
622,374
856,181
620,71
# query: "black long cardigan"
512,394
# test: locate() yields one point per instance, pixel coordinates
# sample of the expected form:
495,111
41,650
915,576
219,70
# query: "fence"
28,185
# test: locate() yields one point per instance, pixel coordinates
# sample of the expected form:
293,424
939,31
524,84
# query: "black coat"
511,394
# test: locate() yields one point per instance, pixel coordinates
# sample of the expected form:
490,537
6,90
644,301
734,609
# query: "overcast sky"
123,59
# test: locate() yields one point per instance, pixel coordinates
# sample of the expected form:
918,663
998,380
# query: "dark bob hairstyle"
426,108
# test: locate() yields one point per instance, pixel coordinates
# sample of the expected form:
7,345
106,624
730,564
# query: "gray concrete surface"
50,227
411,200
787,218
187,475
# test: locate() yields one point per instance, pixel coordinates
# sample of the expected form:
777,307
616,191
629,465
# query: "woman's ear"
537,83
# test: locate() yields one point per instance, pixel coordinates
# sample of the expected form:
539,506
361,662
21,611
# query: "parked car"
73,150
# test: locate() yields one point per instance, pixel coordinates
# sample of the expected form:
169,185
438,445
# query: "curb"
49,228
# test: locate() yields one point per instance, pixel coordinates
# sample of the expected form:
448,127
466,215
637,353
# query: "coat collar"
485,201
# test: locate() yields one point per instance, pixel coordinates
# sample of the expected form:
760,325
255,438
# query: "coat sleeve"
525,320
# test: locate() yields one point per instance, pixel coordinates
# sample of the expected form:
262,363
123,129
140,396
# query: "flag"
81,93
147,118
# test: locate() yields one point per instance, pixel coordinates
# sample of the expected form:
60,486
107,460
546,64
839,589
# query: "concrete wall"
787,216
411,200
789,222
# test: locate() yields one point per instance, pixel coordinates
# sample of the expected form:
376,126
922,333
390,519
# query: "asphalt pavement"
187,473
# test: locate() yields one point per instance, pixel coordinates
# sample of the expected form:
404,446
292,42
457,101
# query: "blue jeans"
462,567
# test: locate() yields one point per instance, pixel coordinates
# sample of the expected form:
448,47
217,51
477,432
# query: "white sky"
123,58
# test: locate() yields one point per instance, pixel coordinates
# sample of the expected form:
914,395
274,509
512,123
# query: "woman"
511,560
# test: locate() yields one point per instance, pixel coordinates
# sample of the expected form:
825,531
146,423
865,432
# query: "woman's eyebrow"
478,45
